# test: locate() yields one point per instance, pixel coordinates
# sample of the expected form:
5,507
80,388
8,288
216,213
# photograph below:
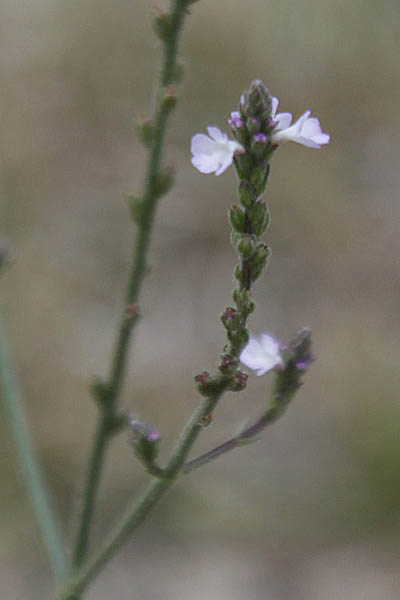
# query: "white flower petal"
261,354
213,154
203,165
275,104
216,134
283,120
306,131
201,144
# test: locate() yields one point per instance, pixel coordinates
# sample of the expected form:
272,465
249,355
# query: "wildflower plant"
256,130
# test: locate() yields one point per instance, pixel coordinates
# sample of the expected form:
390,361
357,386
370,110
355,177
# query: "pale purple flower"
262,354
306,130
260,138
235,120
213,154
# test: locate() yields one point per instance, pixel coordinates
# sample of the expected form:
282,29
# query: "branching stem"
139,266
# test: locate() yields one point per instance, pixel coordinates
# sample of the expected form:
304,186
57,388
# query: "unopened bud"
203,382
258,178
230,319
169,99
259,102
162,24
246,193
144,439
239,381
135,206
164,182
237,219
259,217
131,312
228,363
245,246
253,125
145,130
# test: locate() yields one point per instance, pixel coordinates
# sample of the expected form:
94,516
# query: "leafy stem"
110,390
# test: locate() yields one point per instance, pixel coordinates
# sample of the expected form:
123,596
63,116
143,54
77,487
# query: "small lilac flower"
261,354
306,130
260,138
235,120
213,154
302,365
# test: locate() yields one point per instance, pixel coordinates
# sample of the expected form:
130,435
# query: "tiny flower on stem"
262,354
306,130
213,153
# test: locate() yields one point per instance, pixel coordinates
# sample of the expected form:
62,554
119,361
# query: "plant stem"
120,356
249,434
32,474
136,514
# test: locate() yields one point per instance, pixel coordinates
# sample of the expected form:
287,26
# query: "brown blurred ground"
312,511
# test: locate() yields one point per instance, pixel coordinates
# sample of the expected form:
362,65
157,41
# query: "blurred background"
312,510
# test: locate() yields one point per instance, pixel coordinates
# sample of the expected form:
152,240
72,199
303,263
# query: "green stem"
151,496
274,412
32,474
120,356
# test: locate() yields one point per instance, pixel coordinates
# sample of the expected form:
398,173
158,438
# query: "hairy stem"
31,471
120,356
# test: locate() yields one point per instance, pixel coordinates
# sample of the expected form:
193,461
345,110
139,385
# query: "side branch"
33,478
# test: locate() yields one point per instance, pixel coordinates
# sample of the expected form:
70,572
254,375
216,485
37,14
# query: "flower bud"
259,260
239,381
259,217
100,391
228,363
162,24
258,178
144,131
235,120
253,125
131,312
164,182
204,383
243,164
300,348
237,219
135,206
246,193
230,319
145,440
246,246
259,101
169,99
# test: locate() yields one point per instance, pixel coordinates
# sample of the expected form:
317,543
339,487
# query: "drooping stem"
32,474
139,266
